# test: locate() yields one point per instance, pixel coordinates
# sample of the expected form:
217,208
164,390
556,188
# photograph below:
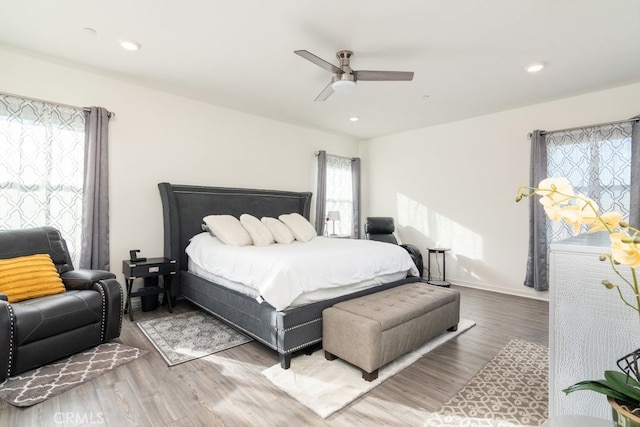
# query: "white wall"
454,185
158,137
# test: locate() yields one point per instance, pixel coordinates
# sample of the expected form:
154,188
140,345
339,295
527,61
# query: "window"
338,196
41,167
597,163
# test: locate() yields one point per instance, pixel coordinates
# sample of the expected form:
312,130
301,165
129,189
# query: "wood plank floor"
229,390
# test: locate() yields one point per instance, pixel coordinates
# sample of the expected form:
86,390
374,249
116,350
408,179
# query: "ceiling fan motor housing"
344,56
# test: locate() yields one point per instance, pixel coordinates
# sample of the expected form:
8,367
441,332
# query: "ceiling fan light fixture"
343,86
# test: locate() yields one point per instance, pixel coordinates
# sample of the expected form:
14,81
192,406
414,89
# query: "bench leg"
329,356
370,376
285,361
453,328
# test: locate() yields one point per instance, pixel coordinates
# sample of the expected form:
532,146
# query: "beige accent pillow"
300,227
258,231
28,277
228,229
281,232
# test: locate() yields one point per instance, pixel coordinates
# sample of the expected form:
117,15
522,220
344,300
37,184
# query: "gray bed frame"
288,331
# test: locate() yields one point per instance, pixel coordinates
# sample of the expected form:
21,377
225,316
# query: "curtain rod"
632,119
334,155
109,113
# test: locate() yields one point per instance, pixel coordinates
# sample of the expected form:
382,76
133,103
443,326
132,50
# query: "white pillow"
259,232
300,226
281,232
228,229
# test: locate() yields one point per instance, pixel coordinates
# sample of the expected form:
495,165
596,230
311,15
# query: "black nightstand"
149,270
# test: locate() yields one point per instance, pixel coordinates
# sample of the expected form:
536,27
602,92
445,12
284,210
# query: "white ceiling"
468,56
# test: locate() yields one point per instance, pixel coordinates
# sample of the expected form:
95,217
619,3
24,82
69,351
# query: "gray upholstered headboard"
184,206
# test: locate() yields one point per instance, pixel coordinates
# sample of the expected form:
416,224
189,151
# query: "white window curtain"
338,191
54,171
41,167
597,163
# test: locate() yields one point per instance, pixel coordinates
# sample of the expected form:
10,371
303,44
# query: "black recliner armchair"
381,228
38,331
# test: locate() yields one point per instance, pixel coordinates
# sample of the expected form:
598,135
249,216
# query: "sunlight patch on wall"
438,229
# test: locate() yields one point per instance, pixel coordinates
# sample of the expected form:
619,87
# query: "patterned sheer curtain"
597,162
41,167
600,162
339,191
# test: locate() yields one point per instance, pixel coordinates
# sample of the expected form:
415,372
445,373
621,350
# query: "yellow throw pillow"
30,276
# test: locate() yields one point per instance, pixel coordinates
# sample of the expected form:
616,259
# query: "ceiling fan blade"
326,92
318,61
383,75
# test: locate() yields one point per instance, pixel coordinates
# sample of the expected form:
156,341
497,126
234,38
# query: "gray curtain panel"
355,179
321,194
94,252
634,208
537,265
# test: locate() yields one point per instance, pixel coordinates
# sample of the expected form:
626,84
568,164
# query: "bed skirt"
286,331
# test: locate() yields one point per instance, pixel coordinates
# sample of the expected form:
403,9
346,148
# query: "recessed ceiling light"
534,68
354,118
130,44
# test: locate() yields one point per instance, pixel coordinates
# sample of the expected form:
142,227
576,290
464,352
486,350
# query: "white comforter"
280,272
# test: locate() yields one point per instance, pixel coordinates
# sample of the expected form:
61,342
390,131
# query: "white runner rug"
328,386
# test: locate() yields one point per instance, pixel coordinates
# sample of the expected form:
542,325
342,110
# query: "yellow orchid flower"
553,211
557,190
623,250
572,216
608,221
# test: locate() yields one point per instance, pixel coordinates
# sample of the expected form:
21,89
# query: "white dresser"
590,328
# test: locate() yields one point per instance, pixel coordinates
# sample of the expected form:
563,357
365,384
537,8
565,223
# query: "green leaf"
624,384
599,386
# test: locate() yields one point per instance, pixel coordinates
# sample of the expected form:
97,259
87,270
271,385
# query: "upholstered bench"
373,330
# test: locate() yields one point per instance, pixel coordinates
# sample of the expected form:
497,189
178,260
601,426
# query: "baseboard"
522,291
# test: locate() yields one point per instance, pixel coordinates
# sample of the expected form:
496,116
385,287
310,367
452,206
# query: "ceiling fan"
344,78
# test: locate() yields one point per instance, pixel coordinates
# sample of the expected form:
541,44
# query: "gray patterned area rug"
40,384
189,336
510,391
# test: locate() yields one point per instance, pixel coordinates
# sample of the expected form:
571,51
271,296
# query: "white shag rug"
328,386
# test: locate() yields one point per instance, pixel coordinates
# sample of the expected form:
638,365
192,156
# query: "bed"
287,331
